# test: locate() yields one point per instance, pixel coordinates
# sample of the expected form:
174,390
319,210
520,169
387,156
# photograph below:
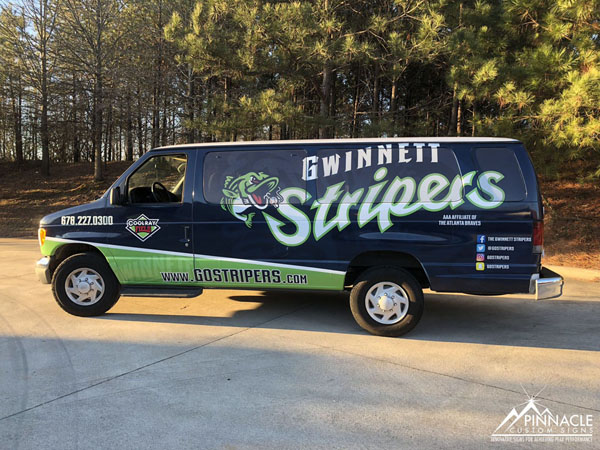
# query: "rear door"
153,242
496,250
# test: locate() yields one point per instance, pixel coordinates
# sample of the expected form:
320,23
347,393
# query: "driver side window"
158,180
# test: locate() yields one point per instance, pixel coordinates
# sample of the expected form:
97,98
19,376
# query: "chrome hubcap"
84,286
387,303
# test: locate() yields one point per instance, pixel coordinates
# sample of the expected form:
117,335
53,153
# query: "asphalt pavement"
242,369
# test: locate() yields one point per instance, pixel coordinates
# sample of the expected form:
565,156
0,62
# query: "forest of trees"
105,80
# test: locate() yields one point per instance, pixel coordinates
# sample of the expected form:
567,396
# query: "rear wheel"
387,301
84,285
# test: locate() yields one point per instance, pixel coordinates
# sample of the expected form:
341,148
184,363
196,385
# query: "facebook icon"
481,238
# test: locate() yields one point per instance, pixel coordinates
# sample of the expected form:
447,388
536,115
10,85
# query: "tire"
95,280
398,293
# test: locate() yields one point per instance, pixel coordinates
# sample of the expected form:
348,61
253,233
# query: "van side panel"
469,223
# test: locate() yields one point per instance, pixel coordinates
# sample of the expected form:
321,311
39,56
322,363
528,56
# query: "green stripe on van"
148,266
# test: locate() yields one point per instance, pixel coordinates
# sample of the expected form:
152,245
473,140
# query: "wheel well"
404,261
64,251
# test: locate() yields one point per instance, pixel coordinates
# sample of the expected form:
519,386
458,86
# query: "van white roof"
346,141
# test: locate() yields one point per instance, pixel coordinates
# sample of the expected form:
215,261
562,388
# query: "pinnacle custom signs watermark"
536,423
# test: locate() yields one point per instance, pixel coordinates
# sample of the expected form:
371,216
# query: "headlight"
42,236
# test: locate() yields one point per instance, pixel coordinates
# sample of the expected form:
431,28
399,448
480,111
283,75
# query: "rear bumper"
546,284
42,270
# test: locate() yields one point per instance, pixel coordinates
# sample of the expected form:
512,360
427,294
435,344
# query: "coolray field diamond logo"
536,423
142,227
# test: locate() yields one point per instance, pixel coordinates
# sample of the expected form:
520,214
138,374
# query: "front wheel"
84,285
387,301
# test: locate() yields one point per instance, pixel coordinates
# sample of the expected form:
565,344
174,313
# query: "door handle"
186,236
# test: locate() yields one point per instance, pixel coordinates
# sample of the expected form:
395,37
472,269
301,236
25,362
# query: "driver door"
153,243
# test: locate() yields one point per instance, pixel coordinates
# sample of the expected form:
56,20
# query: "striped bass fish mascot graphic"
251,190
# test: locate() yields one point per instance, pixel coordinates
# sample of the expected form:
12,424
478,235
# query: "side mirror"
116,198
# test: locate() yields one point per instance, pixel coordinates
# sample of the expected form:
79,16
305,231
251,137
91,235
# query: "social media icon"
480,266
480,257
480,248
481,238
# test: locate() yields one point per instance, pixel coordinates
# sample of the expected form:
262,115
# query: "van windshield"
158,180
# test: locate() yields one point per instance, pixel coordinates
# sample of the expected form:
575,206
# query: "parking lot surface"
242,369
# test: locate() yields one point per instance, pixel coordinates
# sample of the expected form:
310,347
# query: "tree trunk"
75,126
189,131
44,119
376,89
3,147
283,131
158,80
34,137
98,127
119,148
452,128
129,131
165,129
140,131
155,135
393,102
108,148
18,128
173,122
332,102
356,103
227,134
325,96
459,119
